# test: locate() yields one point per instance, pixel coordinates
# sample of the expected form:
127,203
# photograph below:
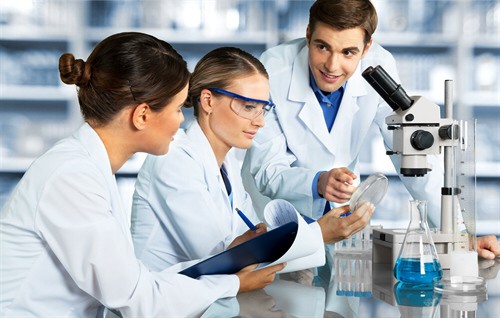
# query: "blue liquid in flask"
415,295
411,270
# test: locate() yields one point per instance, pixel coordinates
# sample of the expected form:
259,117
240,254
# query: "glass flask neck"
418,215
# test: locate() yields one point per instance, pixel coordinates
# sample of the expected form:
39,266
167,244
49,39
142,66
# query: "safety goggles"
246,107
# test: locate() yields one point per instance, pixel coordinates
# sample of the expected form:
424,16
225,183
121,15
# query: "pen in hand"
246,220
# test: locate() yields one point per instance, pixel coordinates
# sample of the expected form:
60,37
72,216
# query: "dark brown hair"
123,70
344,14
218,69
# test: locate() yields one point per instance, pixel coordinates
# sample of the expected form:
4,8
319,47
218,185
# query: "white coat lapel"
205,151
96,149
300,92
345,122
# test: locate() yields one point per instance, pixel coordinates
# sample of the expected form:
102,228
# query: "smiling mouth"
330,76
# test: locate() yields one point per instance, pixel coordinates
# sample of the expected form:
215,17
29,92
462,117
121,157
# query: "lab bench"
350,286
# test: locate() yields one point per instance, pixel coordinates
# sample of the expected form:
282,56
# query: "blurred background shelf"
431,40
36,93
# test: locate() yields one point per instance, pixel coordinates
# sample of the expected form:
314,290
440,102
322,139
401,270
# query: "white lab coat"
181,209
295,143
67,250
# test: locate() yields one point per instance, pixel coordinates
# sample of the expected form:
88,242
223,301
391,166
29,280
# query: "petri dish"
372,189
461,285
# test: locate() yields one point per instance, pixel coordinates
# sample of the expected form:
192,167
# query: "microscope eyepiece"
387,88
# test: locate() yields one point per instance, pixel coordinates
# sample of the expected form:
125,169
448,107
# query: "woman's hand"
248,235
251,279
336,228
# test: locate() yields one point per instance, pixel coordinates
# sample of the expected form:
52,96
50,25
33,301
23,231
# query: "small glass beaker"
418,261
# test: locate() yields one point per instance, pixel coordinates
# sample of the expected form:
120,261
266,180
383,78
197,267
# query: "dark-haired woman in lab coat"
65,241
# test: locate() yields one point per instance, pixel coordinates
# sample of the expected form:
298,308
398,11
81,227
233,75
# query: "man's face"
334,55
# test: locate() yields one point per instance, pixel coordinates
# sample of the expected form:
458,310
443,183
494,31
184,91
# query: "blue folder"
264,248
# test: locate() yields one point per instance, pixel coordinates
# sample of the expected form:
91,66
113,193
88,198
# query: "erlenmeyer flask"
418,261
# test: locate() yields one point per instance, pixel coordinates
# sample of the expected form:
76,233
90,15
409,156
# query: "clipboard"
265,248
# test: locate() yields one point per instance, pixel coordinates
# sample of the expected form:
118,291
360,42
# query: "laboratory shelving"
431,41
36,106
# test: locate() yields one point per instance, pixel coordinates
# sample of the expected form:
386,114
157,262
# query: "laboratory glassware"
416,300
460,295
418,261
372,190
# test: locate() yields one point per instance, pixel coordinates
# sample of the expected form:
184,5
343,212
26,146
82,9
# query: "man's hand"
336,185
488,247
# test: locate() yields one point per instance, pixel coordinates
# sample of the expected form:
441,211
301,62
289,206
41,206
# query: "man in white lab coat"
308,151
324,111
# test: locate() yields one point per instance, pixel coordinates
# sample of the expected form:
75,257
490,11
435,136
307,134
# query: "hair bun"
73,71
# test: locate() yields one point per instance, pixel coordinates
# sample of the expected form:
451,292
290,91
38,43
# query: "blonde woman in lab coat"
184,202
65,241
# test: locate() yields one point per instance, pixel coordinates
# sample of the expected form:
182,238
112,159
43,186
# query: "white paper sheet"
307,250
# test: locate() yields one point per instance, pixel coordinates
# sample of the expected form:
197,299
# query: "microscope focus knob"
449,132
421,139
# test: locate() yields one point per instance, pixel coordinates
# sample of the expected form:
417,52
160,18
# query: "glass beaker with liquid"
418,261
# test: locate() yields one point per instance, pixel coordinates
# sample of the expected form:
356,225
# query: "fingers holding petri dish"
372,189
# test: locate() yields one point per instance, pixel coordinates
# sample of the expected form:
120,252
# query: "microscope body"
419,131
416,134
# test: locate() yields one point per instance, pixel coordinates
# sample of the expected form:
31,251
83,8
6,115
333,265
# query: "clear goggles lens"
246,107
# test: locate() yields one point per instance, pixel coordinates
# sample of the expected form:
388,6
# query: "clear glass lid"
372,189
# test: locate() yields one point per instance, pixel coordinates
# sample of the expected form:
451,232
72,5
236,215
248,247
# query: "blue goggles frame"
267,103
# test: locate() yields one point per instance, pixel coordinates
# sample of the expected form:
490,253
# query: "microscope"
419,131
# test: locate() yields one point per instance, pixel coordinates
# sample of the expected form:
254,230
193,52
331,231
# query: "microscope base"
388,242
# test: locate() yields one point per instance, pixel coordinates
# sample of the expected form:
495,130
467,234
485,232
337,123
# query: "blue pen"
246,220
